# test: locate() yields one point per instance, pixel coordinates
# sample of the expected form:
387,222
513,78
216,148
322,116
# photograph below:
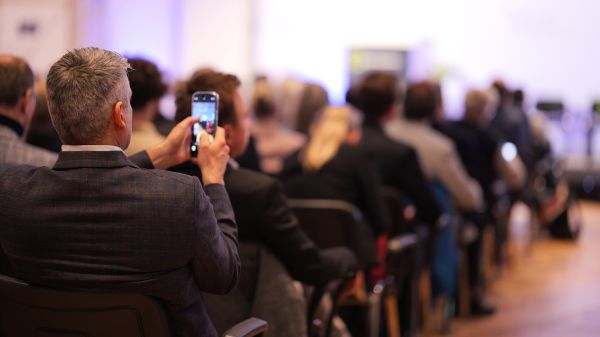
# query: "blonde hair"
329,131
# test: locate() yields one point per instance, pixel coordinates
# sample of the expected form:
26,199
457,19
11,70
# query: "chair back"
395,204
331,223
28,311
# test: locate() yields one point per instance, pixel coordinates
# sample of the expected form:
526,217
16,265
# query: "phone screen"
205,105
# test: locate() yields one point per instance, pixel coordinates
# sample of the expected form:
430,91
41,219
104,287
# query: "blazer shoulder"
168,177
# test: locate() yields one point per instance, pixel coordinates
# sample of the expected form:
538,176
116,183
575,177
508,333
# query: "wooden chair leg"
488,266
392,315
464,292
425,285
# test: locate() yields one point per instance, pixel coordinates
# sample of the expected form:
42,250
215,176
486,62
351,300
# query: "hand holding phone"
213,157
205,106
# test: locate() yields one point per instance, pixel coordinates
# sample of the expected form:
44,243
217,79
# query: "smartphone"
205,104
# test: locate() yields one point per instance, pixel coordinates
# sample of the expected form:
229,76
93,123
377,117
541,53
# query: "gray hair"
83,86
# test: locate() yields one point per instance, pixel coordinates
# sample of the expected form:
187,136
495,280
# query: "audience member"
262,212
41,131
314,98
331,166
436,152
398,166
524,140
482,158
17,103
510,123
479,151
378,97
274,142
98,222
147,89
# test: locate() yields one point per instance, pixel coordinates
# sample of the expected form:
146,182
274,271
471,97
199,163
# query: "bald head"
16,78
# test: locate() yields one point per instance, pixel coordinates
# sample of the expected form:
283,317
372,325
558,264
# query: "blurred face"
237,135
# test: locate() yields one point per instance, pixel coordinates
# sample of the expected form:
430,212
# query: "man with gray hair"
17,103
97,221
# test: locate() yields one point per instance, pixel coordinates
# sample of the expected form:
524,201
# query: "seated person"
436,152
147,89
481,155
273,141
258,201
97,222
331,166
377,98
17,104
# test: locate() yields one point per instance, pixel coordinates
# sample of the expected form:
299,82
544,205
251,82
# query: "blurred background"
544,47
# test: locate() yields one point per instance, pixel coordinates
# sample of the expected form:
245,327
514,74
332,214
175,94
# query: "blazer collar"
91,159
370,124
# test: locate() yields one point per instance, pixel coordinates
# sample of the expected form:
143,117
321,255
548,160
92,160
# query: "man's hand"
176,147
213,157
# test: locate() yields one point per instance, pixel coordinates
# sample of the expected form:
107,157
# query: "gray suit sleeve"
216,262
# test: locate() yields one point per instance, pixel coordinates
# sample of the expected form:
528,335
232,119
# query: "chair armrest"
247,328
402,242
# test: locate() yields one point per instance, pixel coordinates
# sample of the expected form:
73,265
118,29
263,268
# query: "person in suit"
147,88
17,104
97,221
436,152
260,207
332,166
377,98
481,155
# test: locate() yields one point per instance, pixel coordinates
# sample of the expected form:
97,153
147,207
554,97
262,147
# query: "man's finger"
188,122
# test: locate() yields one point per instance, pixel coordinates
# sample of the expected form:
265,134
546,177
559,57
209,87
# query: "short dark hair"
223,84
16,78
420,101
377,93
145,81
264,108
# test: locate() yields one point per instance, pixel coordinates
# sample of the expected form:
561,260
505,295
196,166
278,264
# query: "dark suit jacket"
96,221
476,148
348,176
399,167
264,217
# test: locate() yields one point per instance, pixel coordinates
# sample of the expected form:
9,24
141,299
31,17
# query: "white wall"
49,30
215,34
145,28
547,46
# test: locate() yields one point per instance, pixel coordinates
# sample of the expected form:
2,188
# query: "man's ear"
27,103
119,118
228,132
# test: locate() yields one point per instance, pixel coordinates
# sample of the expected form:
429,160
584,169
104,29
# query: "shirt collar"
73,148
12,124
234,164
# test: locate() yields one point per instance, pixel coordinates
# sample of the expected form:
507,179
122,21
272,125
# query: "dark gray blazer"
96,221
